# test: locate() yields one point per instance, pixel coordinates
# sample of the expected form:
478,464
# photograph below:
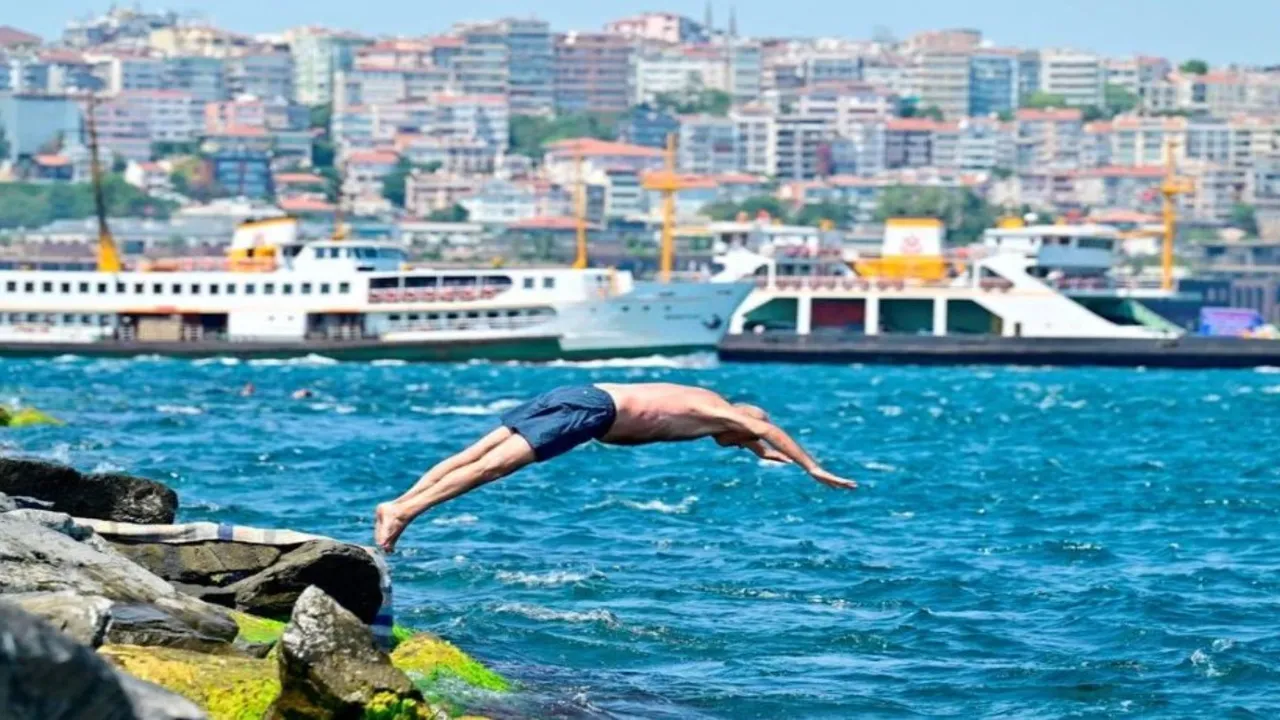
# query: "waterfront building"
592,73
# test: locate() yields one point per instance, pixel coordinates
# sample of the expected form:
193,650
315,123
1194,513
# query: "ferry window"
15,318
66,288
29,287
451,316
513,313
384,283
195,289
86,319
548,283
32,317
177,289
390,253
626,308
324,288
1094,243
11,286
213,288
413,317
344,288
335,252
250,288
393,318
157,288
492,314
268,288
319,252
102,288
231,288
432,317
420,282
68,319
458,281
306,288
47,287
104,320
138,288
84,287
287,288
501,282
473,315
528,283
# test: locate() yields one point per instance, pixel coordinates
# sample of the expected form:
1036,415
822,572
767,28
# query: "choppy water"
1048,543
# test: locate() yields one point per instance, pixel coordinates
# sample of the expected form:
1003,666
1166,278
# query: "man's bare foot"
387,526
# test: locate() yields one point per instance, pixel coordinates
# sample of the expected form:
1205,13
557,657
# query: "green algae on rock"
427,659
228,687
26,417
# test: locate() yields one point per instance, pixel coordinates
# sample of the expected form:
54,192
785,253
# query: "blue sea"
1025,542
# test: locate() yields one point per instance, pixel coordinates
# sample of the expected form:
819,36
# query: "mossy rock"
257,630
27,417
427,660
228,687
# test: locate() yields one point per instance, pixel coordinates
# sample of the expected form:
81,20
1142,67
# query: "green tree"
1090,113
332,182
1118,99
4,145
530,134
1041,100
696,102
1244,218
1194,67
813,214
322,153
1005,115
751,207
393,185
932,112
455,213
36,204
964,213
169,149
321,116
119,164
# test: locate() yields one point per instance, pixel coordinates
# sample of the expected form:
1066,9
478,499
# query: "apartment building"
511,57
424,193
708,145
993,82
756,135
371,84
666,28
124,71
1078,77
799,145
944,81
263,73
201,76
31,122
592,73
169,116
734,69
318,54
1048,139
909,142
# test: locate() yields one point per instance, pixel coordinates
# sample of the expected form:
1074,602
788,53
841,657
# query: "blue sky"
1222,31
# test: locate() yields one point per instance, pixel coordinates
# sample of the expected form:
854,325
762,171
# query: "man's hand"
830,480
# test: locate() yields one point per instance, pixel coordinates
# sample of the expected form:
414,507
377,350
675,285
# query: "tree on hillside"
393,185
1042,100
37,204
696,102
454,213
839,214
322,153
965,214
932,112
1244,217
321,116
1194,67
1118,99
4,145
530,134
751,207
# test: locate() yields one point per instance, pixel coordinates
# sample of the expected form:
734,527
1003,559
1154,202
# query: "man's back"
659,412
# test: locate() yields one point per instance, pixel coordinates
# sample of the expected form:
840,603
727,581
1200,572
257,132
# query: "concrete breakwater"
109,610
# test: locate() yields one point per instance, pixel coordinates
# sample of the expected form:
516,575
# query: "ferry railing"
852,283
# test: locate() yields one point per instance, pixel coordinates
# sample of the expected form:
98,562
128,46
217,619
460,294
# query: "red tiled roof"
1139,171
240,131
1122,216
918,125
373,157
590,147
303,204
11,36
545,222
298,179
1058,114
53,160
469,100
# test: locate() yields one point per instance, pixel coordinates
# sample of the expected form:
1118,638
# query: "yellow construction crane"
1170,188
580,211
668,183
108,253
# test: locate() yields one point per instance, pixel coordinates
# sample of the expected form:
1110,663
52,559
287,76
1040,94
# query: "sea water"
1024,542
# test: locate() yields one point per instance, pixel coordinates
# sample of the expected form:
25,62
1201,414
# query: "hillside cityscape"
479,141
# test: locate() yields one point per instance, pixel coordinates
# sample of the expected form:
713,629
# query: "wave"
680,508
1267,370
179,410
307,360
696,361
879,467
464,519
61,359
543,614
492,408
551,579
389,362
224,361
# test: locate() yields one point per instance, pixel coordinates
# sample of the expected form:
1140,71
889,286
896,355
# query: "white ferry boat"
277,296
1040,281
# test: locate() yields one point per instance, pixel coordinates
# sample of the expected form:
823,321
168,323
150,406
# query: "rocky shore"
108,610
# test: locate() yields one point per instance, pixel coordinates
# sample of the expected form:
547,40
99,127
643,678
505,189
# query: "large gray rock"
211,564
103,496
44,675
8,503
82,618
346,573
35,559
329,665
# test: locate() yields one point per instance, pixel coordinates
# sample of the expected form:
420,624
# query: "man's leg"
509,456
466,457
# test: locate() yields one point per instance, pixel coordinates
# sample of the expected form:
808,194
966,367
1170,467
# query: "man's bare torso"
660,412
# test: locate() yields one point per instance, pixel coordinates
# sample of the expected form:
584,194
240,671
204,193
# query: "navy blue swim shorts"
555,422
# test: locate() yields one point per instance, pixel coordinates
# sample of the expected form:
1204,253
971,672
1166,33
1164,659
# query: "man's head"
738,439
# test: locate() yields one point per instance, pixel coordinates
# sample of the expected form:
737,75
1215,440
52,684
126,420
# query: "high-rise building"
1077,77
511,57
30,122
944,81
666,28
708,145
202,77
798,144
993,82
317,55
264,74
592,73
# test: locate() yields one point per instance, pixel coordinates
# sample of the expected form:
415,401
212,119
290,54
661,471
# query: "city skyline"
1176,28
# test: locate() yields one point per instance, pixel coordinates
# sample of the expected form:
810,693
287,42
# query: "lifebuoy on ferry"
488,293
428,295
446,294
468,294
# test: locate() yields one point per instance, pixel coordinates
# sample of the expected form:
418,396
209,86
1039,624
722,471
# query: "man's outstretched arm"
784,444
